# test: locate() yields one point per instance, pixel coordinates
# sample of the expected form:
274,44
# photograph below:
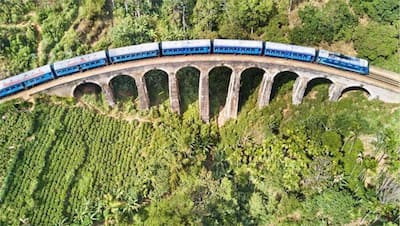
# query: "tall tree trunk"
138,11
184,25
126,6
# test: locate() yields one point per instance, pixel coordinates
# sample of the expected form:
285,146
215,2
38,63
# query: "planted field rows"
73,155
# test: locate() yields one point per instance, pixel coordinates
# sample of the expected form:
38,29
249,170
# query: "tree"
135,8
174,22
333,22
242,18
92,8
384,11
372,45
206,17
254,14
132,31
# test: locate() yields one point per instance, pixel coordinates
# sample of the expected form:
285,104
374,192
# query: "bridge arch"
188,78
123,86
157,83
355,88
280,79
91,86
316,81
193,66
250,80
219,77
221,65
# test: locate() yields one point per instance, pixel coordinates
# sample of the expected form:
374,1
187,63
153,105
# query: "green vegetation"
285,164
333,22
79,162
369,43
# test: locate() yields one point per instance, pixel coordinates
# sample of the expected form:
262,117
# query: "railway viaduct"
379,84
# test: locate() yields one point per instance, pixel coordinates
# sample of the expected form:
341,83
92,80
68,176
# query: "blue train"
172,48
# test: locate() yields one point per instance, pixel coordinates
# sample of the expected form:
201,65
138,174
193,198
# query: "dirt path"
27,23
39,51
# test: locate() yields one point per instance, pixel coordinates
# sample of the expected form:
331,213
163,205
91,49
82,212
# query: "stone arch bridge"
379,84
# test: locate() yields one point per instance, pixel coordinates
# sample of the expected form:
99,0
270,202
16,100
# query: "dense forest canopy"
33,33
76,161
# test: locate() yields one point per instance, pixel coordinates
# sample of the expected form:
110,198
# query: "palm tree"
62,222
24,221
131,206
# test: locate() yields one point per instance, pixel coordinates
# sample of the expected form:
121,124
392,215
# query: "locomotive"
77,64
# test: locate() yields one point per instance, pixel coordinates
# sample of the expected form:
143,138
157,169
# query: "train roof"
79,60
133,49
238,43
25,76
343,58
288,47
186,43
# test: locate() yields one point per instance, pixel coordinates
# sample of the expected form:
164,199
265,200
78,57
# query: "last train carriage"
183,47
341,61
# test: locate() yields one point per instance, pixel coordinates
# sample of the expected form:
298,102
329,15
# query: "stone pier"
335,91
299,89
174,92
204,99
142,92
264,94
231,107
108,94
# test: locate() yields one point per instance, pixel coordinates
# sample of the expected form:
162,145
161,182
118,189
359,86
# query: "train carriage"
183,47
37,76
25,80
134,52
10,85
232,46
80,63
289,51
344,62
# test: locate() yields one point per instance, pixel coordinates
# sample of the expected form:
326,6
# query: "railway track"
389,81
387,77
